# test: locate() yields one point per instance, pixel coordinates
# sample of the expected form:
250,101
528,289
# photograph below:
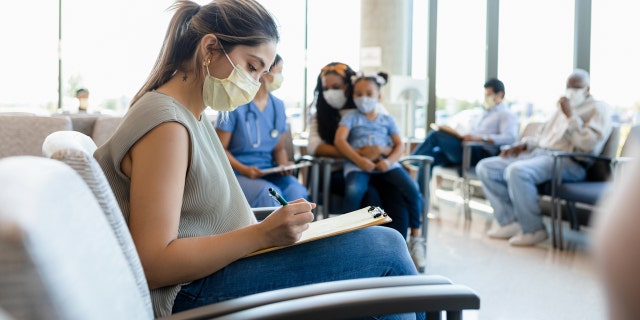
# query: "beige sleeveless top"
213,202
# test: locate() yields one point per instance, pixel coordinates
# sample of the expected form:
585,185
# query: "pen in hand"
278,197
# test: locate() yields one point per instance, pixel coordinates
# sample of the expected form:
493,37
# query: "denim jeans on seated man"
510,184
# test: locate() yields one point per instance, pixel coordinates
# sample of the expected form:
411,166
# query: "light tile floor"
514,283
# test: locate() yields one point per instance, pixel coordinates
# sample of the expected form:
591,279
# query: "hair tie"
373,76
192,15
339,69
379,80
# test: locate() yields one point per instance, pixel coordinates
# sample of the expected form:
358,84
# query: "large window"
535,54
110,47
615,66
28,59
460,57
291,21
107,47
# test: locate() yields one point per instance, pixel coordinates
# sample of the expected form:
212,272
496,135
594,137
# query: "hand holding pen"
285,225
278,197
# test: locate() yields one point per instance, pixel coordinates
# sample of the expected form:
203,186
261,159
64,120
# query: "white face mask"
489,102
227,94
576,96
275,84
366,104
335,98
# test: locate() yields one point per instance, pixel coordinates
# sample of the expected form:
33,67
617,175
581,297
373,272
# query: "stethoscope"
273,133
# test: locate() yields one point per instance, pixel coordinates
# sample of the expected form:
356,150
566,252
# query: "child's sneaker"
417,249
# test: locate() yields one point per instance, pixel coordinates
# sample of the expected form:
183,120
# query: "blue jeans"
381,194
357,182
446,150
394,204
510,184
257,190
369,252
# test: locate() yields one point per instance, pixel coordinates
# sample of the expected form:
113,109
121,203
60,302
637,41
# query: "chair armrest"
426,160
275,296
562,154
618,163
367,302
477,144
329,160
623,159
556,176
466,153
262,212
307,158
325,163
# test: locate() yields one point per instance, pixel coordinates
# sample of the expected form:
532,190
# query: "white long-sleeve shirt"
586,131
498,124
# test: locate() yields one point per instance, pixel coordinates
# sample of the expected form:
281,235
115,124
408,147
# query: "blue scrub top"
251,141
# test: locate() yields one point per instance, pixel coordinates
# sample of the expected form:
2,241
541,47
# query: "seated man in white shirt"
497,126
580,124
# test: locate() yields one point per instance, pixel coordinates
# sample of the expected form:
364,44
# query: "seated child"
367,127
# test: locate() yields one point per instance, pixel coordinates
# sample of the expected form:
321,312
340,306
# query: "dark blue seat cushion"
583,192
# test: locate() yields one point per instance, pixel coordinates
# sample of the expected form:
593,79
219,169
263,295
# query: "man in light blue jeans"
509,181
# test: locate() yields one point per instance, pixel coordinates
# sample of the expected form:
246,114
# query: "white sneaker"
530,238
504,232
418,254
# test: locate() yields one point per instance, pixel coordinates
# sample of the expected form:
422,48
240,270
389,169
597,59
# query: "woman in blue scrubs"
251,135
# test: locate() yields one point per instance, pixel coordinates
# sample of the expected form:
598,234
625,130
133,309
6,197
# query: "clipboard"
286,168
361,218
446,129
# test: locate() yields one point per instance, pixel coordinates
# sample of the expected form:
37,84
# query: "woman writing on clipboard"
251,136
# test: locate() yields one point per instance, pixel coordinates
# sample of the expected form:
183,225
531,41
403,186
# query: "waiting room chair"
60,258
104,128
464,176
82,122
308,176
327,164
24,134
589,191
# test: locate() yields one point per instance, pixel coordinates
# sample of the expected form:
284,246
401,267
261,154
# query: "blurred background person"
82,95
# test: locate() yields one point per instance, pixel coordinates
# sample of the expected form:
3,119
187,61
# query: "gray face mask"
335,98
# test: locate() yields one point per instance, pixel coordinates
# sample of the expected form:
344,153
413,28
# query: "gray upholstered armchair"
23,134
